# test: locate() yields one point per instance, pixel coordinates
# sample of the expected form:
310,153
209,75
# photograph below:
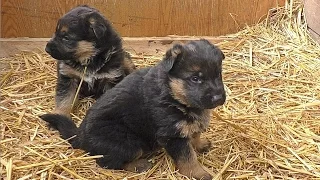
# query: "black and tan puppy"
164,106
84,38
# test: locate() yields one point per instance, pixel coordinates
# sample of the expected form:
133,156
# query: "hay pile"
268,129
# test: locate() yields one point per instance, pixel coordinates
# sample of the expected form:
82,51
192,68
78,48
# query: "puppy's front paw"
139,165
196,172
203,146
206,176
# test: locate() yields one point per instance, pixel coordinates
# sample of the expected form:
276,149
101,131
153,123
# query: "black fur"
59,122
145,110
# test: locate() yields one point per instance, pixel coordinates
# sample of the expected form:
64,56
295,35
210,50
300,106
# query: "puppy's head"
80,34
194,71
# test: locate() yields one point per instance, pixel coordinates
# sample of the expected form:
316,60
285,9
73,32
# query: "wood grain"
312,12
136,18
134,45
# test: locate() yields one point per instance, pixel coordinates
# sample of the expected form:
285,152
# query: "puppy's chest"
194,123
90,76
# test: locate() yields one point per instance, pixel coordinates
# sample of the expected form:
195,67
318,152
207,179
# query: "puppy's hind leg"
124,161
122,150
138,165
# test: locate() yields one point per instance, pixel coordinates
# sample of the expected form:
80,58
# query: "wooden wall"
135,18
312,12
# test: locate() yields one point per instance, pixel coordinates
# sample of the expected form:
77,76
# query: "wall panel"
136,18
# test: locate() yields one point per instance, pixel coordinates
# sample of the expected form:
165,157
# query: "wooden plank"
38,18
135,45
152,46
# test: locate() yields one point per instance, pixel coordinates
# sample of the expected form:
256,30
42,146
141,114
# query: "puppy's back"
119,102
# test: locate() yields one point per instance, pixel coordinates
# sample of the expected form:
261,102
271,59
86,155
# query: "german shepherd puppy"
84,38
167,106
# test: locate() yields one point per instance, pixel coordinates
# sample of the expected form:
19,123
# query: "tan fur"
92,21
195,68
178,91
111,75
191,167
85,51
188,129
199,144
138,165
64,107
69,71
64,29
199,124
128,66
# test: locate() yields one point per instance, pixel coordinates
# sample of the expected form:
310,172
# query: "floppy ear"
172,55
96,24
219,52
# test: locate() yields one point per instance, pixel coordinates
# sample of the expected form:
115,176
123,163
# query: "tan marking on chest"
111,75
69,71
200,124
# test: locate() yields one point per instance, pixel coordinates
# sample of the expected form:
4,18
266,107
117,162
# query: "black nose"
48,50
217,98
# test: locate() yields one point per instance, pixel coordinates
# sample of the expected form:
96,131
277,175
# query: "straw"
268,128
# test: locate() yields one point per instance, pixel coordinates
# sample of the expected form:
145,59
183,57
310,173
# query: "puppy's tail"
66,127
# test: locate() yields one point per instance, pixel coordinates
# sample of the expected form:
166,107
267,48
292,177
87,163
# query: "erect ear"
96,24
172,56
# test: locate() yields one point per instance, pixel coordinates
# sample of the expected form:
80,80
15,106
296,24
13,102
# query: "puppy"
85,41
163,106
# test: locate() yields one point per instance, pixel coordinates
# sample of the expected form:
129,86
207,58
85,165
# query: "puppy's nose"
48,50
216,98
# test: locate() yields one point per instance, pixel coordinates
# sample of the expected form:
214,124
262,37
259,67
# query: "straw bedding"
268,129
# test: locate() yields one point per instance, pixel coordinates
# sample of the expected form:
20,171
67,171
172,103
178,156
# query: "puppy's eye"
196,79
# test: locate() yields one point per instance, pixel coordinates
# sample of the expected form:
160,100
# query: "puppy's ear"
218,50
223,57
96,24
172,56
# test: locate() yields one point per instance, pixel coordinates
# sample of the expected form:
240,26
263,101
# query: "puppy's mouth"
58,56
215,101
55,53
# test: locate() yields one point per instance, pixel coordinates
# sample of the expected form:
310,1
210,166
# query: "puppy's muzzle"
218,99
48,50
50,47
53,49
